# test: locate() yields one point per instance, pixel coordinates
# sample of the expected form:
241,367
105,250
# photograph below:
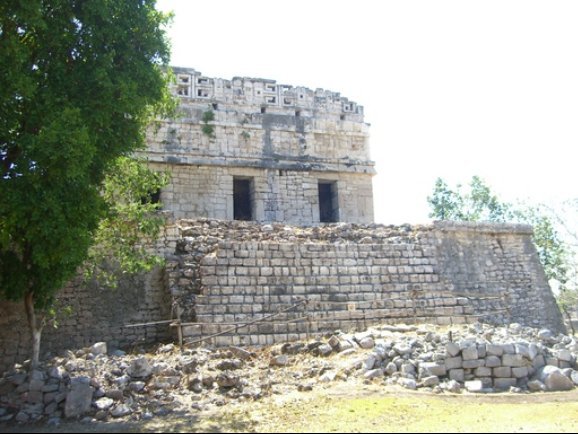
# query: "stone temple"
282,158
252,149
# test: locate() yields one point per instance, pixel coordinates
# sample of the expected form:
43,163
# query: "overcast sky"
451,88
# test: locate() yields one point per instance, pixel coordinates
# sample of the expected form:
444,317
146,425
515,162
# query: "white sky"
451,88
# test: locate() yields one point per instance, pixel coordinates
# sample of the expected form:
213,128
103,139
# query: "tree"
80,81
479,203
125,237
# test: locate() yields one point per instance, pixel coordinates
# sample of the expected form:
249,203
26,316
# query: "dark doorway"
242,199
328,202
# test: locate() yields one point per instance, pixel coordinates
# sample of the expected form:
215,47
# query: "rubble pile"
94,384
209,232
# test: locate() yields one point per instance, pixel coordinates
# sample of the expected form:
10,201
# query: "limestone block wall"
259,284
96,314
278,195
307,281
285,139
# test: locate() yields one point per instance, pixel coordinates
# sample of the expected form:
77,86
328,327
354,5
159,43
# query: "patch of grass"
420,414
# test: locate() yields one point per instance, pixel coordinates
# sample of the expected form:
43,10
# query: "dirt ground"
373,408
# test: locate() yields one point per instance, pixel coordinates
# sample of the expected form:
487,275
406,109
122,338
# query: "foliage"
124,237
80,81
479,203
206,128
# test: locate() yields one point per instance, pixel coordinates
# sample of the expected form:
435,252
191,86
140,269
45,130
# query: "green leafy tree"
124,240
80,81
477,203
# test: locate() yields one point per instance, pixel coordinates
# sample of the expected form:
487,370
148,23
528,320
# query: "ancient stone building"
252,149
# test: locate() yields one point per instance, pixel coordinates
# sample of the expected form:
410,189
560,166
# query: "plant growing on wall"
206,128
80,81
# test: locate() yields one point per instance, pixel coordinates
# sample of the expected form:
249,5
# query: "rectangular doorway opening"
328,202
243,198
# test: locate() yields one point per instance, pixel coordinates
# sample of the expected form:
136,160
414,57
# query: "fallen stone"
390,368
325,350
308,387
281,360
241,353
374,373
347,353
334,342
452,386
574,377
101,415
367,343
122,381
103,403
168,348
432,368
115,394
328,377
408,383
554,379
430,381
402,349
564,356
344,345
227,380
121,410
164,383
369,363
79,399
407,369
546,336
140,368
99,349
475,386
536,386
230,365
137,386
22,417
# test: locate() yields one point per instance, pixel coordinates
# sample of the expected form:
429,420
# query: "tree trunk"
36,325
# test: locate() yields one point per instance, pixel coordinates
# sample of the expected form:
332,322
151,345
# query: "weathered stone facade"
294,282
288,282
252,149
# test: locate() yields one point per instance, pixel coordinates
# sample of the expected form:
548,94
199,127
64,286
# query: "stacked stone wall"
254,285
248,284
87,313
285,140
278,195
